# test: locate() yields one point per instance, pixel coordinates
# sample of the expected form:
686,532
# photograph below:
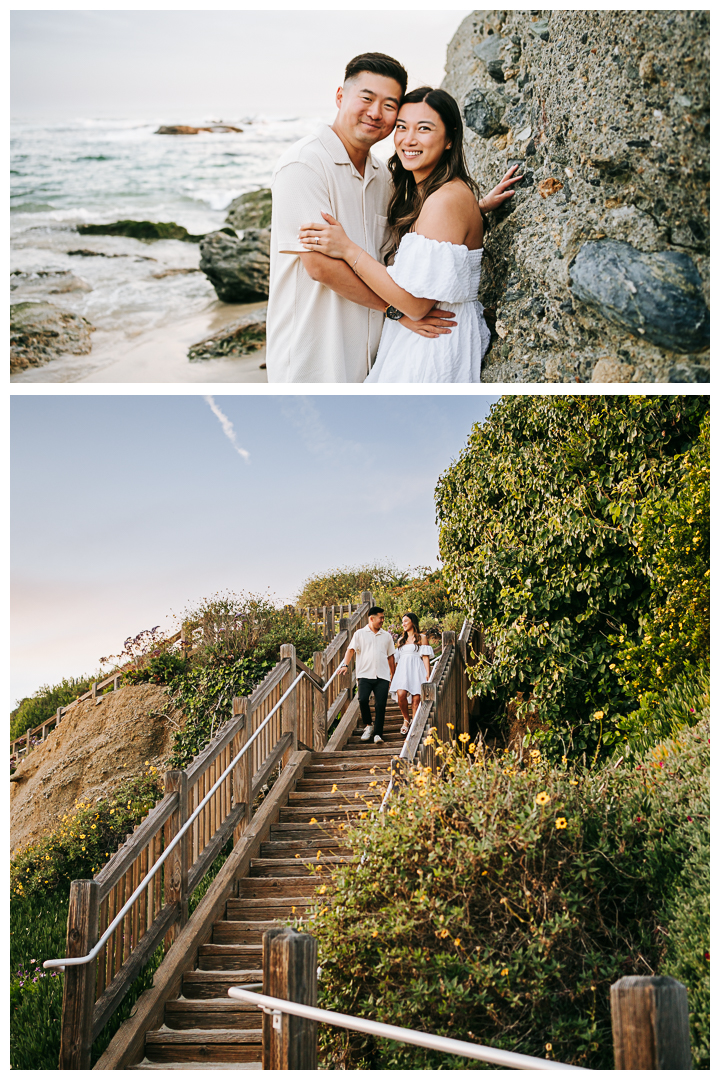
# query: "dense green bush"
672,533
35,710
537,538
498,905
345,584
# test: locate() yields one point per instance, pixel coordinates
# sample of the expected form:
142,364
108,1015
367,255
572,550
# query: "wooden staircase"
203,1028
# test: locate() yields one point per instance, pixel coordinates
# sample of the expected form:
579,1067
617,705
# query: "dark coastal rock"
483,111
141,230
40,332
253,210
610,109
245,336
238,269
658,295
185,129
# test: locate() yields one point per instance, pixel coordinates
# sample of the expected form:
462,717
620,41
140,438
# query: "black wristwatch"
393,313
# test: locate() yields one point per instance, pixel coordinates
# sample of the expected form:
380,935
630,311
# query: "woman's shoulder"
449,214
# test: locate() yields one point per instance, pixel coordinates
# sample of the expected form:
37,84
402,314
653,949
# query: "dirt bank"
92,750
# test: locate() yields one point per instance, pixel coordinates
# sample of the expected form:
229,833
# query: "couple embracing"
383,667
374,268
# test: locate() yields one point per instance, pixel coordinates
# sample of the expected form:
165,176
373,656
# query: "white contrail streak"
227,427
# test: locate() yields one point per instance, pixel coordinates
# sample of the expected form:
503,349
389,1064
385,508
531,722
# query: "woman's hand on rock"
328,239
502,191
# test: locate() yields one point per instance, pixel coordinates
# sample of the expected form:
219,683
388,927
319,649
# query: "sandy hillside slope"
89,753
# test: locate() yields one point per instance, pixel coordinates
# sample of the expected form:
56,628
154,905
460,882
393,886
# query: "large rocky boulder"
141,230
253,210
243,337
239,268
40,332
598,268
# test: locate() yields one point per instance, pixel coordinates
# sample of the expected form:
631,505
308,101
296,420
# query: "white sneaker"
378,739
367,734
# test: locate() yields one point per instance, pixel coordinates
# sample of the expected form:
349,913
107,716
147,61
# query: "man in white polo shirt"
375,667
323,322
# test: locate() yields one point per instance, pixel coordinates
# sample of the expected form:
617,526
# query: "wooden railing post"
290,709
328,623
79,990
650,1024
289,972
28,736
176,865
242,773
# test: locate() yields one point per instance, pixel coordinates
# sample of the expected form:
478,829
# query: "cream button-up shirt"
313,334
371,653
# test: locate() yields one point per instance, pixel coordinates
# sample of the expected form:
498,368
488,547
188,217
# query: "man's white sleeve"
299,197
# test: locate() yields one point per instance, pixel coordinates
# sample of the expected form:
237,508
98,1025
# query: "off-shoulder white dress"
410,672
450,274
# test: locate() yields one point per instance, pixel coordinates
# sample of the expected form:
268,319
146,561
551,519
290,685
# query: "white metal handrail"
505,1058
63,962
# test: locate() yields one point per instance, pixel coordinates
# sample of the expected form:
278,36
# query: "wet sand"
158,356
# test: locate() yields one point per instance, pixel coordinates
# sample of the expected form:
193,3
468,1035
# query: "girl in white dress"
437,231
412,659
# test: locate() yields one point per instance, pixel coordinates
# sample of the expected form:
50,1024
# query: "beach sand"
160,355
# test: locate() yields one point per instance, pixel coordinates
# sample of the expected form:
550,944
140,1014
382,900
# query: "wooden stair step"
196,1066
229,957
321,813
370,752
219,1045
296,867
280,886
209,1014
340,771
279,907
241,931
318,833
359,782
202,985
289,848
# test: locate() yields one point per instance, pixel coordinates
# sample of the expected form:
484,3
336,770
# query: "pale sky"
187,65
125,509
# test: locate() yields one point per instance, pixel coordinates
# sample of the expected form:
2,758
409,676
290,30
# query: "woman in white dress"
412,659
437,232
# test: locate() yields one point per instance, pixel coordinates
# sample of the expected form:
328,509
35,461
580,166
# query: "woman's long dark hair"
408,197
416,630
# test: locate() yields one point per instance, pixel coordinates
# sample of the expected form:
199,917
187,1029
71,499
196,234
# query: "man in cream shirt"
323,323
375,667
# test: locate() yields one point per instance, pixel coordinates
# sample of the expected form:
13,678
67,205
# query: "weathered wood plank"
79,989
270,763
650,1023
290,973
337,705
123,859
345,728
127,1047
213,849
113,995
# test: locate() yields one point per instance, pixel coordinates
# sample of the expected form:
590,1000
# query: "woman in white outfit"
437,232
412,659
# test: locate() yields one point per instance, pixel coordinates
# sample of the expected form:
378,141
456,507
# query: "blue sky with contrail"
127,508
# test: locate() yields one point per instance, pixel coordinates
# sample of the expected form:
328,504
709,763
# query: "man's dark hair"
376,611
378,64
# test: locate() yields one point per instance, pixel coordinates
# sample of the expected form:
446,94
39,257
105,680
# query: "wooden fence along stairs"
285,843
204,1026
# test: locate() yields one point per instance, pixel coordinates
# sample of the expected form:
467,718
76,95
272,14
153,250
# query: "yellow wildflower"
561,823
504,971
573,783
457,941
599,714
548,1047
464,738
542,798
444,932
472,748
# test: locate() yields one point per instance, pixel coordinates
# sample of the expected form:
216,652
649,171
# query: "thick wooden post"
289,972
79,990
176,865
290,708
319,706
328,623
28,736
650,1024
242,773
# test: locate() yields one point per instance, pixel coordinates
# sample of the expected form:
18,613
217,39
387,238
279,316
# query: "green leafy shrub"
498,905
537,538
160,669
35,710
84,840
672,534
345,584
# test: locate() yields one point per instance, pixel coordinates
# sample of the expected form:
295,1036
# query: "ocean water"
100,171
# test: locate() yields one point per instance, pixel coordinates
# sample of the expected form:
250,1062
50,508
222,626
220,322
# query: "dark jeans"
378,687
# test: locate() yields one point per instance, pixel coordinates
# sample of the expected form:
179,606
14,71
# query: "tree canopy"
538,539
